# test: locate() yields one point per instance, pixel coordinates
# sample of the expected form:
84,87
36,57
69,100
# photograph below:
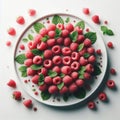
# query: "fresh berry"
66,70
87,42
29,54
92,59
43,31
67,41
110,83
91,50
43,71
96,19
43,87
56,49
80,82
11,31
79,30
8,43
73,88
48,80
28,62
75,65
91,105
65,33
47,63
74,75
20,20
64,90
22,47
27,103
48,54
112,71
53,89
51,27
32,12
57,80
80,38
30,72
11,83
51,42
86,11
51,34
57,69
60,40
57,60
66,51
35,79
69,27
74,46
75,56
102,96
60,26
110,44
66,60
42,46
98,51
37,60
17,95
67,80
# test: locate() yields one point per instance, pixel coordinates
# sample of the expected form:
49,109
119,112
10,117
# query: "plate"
29,32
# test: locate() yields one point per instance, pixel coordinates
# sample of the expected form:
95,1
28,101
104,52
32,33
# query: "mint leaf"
106,31
57,19
23,70
73,36
81,46
86,55
20,58
97,70
36,67
30,37
81,24
58,33
67,20
45,38
41,79
60,86
52,73
37,52
109,32
38,26
62,75
81,72
80,93
25,40
45,95
92,36
81,76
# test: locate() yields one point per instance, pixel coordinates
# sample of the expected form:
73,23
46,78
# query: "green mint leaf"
57,19
66,97
45,95
92,36
109,32
36,67
52,73
81,93
23,70
30,37
73,36
67,20
104,28
20,58
106,31
60,86
81,72
97,70
45,38
62,75
38,26
25,40
37,52
81,76
41,79
58,33
81,24
81,46
86,55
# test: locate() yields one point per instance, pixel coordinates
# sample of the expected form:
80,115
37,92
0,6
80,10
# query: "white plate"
72,100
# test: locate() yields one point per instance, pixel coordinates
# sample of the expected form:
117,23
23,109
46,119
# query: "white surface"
9,10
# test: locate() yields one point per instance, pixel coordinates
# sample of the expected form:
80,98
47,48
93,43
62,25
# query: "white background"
9,11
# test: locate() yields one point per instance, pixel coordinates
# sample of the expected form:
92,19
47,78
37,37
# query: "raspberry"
106,22
20,20
87,76
64,90
80,38
29,54
66,70
96,19
75,65
22,47
86,11
110,83
79,30
91,50
110,44
112,71
51,34
102,96
53,89
83,61
74,75
11,31
31,12
28,62
75,56
74,46
27,103
37,60
57,60
37,39
43,32
43,87
65,33
31,45
11,83
48,54
87,42
69,27
98,51
89,68
42,71
66,60
17,95
92,59
91,105
60,26
48,80
51,27
60,40
57,69
57,80
67,80
35,79
73,88
47,63
80,82
66,51
83,51
8,43
42,46
56,49
30,72
67,41
51,42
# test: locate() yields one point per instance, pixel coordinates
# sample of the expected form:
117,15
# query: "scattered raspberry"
17,95
87,29
11,31
98,51
36,93
110,44
112,71
96,19
110,83
91,105
86,11
8,43
102,96
106,22
22,47
20,20
11,83
32,12
27,103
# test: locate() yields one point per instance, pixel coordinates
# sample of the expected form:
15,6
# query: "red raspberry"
98,51
11,31
42,71
96,19
37,60
51,42
80,82
91,50
86,11
60,26
28,62
110,44
57,60
51,34
27,103
20,20
83,61
65,33
47,63
31,45
87,42
74,46
91,105
102,96
11,83
75,65
60,40
51,27
73,88
37,39
67,41
80,38
66,51
87,76
56,49
22,47
29,54
112,71
79,30
106,22
35,79
92,59
74,75
69,27
67,80
57,69
89,68
75,56
42,46
66,70
43,32
64,90
82,52
110,83
30,72
17,95
32,12
43,87
53,89
66,60
48,80
57,80
48,54
8,43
